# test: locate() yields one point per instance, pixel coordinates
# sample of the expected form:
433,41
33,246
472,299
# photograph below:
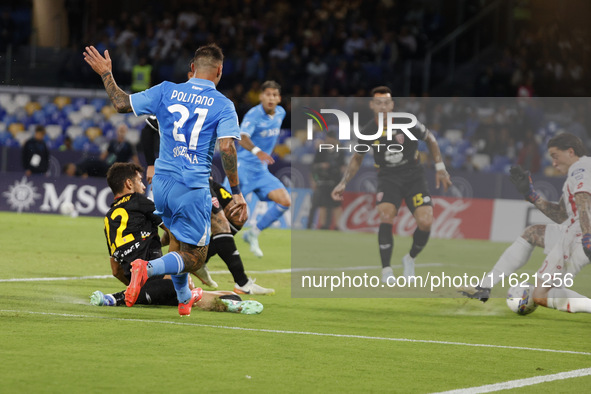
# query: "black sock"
119,298
211,250
234,228
311,216
158,291
419,240
226,249
386,242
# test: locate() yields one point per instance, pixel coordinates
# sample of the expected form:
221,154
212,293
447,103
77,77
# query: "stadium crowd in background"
333,48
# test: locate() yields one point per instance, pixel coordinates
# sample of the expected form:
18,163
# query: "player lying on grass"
223,224
567,243
131,229
190,130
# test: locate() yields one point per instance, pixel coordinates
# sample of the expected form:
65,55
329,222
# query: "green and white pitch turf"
53,340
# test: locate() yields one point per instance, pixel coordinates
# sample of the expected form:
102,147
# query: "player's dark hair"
565,141
119,173
208,56
270,85
380,90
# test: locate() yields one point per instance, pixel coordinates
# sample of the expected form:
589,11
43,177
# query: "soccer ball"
68,209
520,299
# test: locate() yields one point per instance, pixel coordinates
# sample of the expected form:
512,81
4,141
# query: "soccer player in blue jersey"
192,116
259,132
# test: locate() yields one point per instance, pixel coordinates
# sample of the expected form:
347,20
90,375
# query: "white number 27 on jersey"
201,114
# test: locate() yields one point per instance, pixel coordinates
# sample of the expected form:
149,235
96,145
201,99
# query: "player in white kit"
566,243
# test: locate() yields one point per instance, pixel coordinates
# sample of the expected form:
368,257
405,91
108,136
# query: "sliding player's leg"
515,257
188,218
556,274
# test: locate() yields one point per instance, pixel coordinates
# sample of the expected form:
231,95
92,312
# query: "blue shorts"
185,211
259,181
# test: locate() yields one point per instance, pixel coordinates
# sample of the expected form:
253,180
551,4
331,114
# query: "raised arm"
230,164
524,185
441,176
352,168
554,211
102,66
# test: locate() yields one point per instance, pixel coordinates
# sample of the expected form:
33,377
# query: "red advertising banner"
453,217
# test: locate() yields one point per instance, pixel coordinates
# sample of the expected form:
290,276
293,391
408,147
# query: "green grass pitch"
53,340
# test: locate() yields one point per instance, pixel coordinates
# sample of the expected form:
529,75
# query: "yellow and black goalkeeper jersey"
391,158
131,228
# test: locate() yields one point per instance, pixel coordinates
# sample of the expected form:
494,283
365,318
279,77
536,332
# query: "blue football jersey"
191,115
263,130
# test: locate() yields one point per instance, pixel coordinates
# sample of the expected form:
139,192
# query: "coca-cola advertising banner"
498,220
453,217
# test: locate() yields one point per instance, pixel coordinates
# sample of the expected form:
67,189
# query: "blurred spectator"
120,150
354,45
326,173
92,166
67,144
125,59
141,76
316,70
69,169
408,42
35,154
526,89
252,96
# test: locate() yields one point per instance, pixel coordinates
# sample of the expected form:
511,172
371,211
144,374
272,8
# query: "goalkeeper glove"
587,245
523,183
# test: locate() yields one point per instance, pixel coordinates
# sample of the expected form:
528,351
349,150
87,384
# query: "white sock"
513,258
567,300
255,231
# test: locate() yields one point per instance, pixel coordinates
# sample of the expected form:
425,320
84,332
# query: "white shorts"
564,250
552,236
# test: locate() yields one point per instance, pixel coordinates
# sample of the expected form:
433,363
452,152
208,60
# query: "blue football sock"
169,264
109,300
181,285
274,212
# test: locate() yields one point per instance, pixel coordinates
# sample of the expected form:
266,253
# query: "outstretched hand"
523,183
99,64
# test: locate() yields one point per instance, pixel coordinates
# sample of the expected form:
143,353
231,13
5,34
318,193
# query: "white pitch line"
58,278
289,270
321,334
511,384
277,271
